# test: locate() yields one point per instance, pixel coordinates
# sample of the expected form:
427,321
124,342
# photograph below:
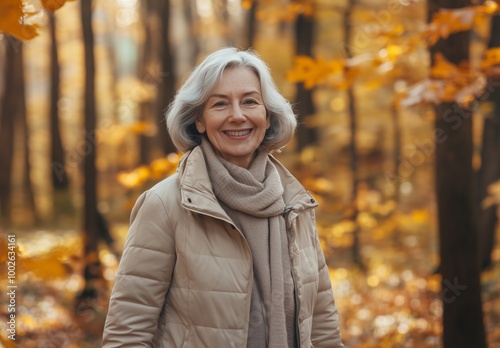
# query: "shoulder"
167,185
167,191
161,196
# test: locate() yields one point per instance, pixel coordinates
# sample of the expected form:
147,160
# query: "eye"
219,104
250,102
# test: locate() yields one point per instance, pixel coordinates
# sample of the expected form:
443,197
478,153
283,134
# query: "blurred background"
399,140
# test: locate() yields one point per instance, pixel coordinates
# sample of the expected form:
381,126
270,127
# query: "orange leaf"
443,69
449,21
45,267
53,5
312,72
143,127
11,20
490,7
246,4
491,58
7,343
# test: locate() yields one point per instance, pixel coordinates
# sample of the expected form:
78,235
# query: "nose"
237,114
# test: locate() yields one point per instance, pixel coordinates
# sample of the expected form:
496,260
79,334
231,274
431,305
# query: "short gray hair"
187,105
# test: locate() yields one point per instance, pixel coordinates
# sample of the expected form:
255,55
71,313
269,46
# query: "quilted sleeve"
143,277
325,328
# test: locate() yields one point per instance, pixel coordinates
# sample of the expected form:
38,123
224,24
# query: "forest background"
399,140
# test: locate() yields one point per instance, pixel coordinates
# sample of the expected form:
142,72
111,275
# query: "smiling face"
234,116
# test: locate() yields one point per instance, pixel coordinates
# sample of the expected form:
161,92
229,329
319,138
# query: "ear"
200,126
268,120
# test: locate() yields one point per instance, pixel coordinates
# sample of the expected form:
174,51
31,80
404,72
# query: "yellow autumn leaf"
303,65
366,220
449,92
430,36
305,8
246,4
130,179
308,154
374,84
343,227
448,21
143,172
392,52
489,7
313,72
491,58
143,127
323,185
157,169
7,343
49,264
12,15
393,31
162,167
420,216
45,267
443,69
434,283
342,85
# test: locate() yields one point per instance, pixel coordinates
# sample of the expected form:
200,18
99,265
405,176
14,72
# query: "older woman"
225,252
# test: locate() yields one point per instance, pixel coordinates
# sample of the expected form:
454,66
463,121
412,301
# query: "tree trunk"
187,6
12,100
146,61
59,174
397,150
252,24
92,270
166,88
490,160
353,149
24,133
304,38
461,289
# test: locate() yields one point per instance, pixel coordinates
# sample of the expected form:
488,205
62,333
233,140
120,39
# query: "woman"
225,252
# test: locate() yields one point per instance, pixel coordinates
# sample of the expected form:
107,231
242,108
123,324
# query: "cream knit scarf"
253,199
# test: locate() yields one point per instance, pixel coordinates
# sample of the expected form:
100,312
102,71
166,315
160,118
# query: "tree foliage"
19,19
447,81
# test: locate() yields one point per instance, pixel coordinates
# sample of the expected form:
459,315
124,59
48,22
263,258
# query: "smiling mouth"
239,133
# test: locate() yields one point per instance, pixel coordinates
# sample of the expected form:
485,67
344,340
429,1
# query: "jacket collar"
197,193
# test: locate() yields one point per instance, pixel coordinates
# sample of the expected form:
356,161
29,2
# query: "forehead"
239,76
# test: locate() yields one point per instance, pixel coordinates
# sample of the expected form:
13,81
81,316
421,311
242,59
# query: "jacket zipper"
285,214
297,311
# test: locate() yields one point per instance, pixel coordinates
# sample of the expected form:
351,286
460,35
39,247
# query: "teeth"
238,133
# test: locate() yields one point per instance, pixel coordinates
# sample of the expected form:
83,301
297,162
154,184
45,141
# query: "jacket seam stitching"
145,248
138,276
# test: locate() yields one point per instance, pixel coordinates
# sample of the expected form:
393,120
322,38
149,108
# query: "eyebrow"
246,94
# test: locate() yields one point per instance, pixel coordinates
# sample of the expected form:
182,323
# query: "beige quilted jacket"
185,277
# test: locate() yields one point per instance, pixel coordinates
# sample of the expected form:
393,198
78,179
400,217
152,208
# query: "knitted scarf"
253,199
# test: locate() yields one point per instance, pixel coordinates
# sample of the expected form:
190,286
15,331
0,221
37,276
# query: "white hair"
188,104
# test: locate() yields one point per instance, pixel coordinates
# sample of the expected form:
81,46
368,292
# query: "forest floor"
393,301
389,298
